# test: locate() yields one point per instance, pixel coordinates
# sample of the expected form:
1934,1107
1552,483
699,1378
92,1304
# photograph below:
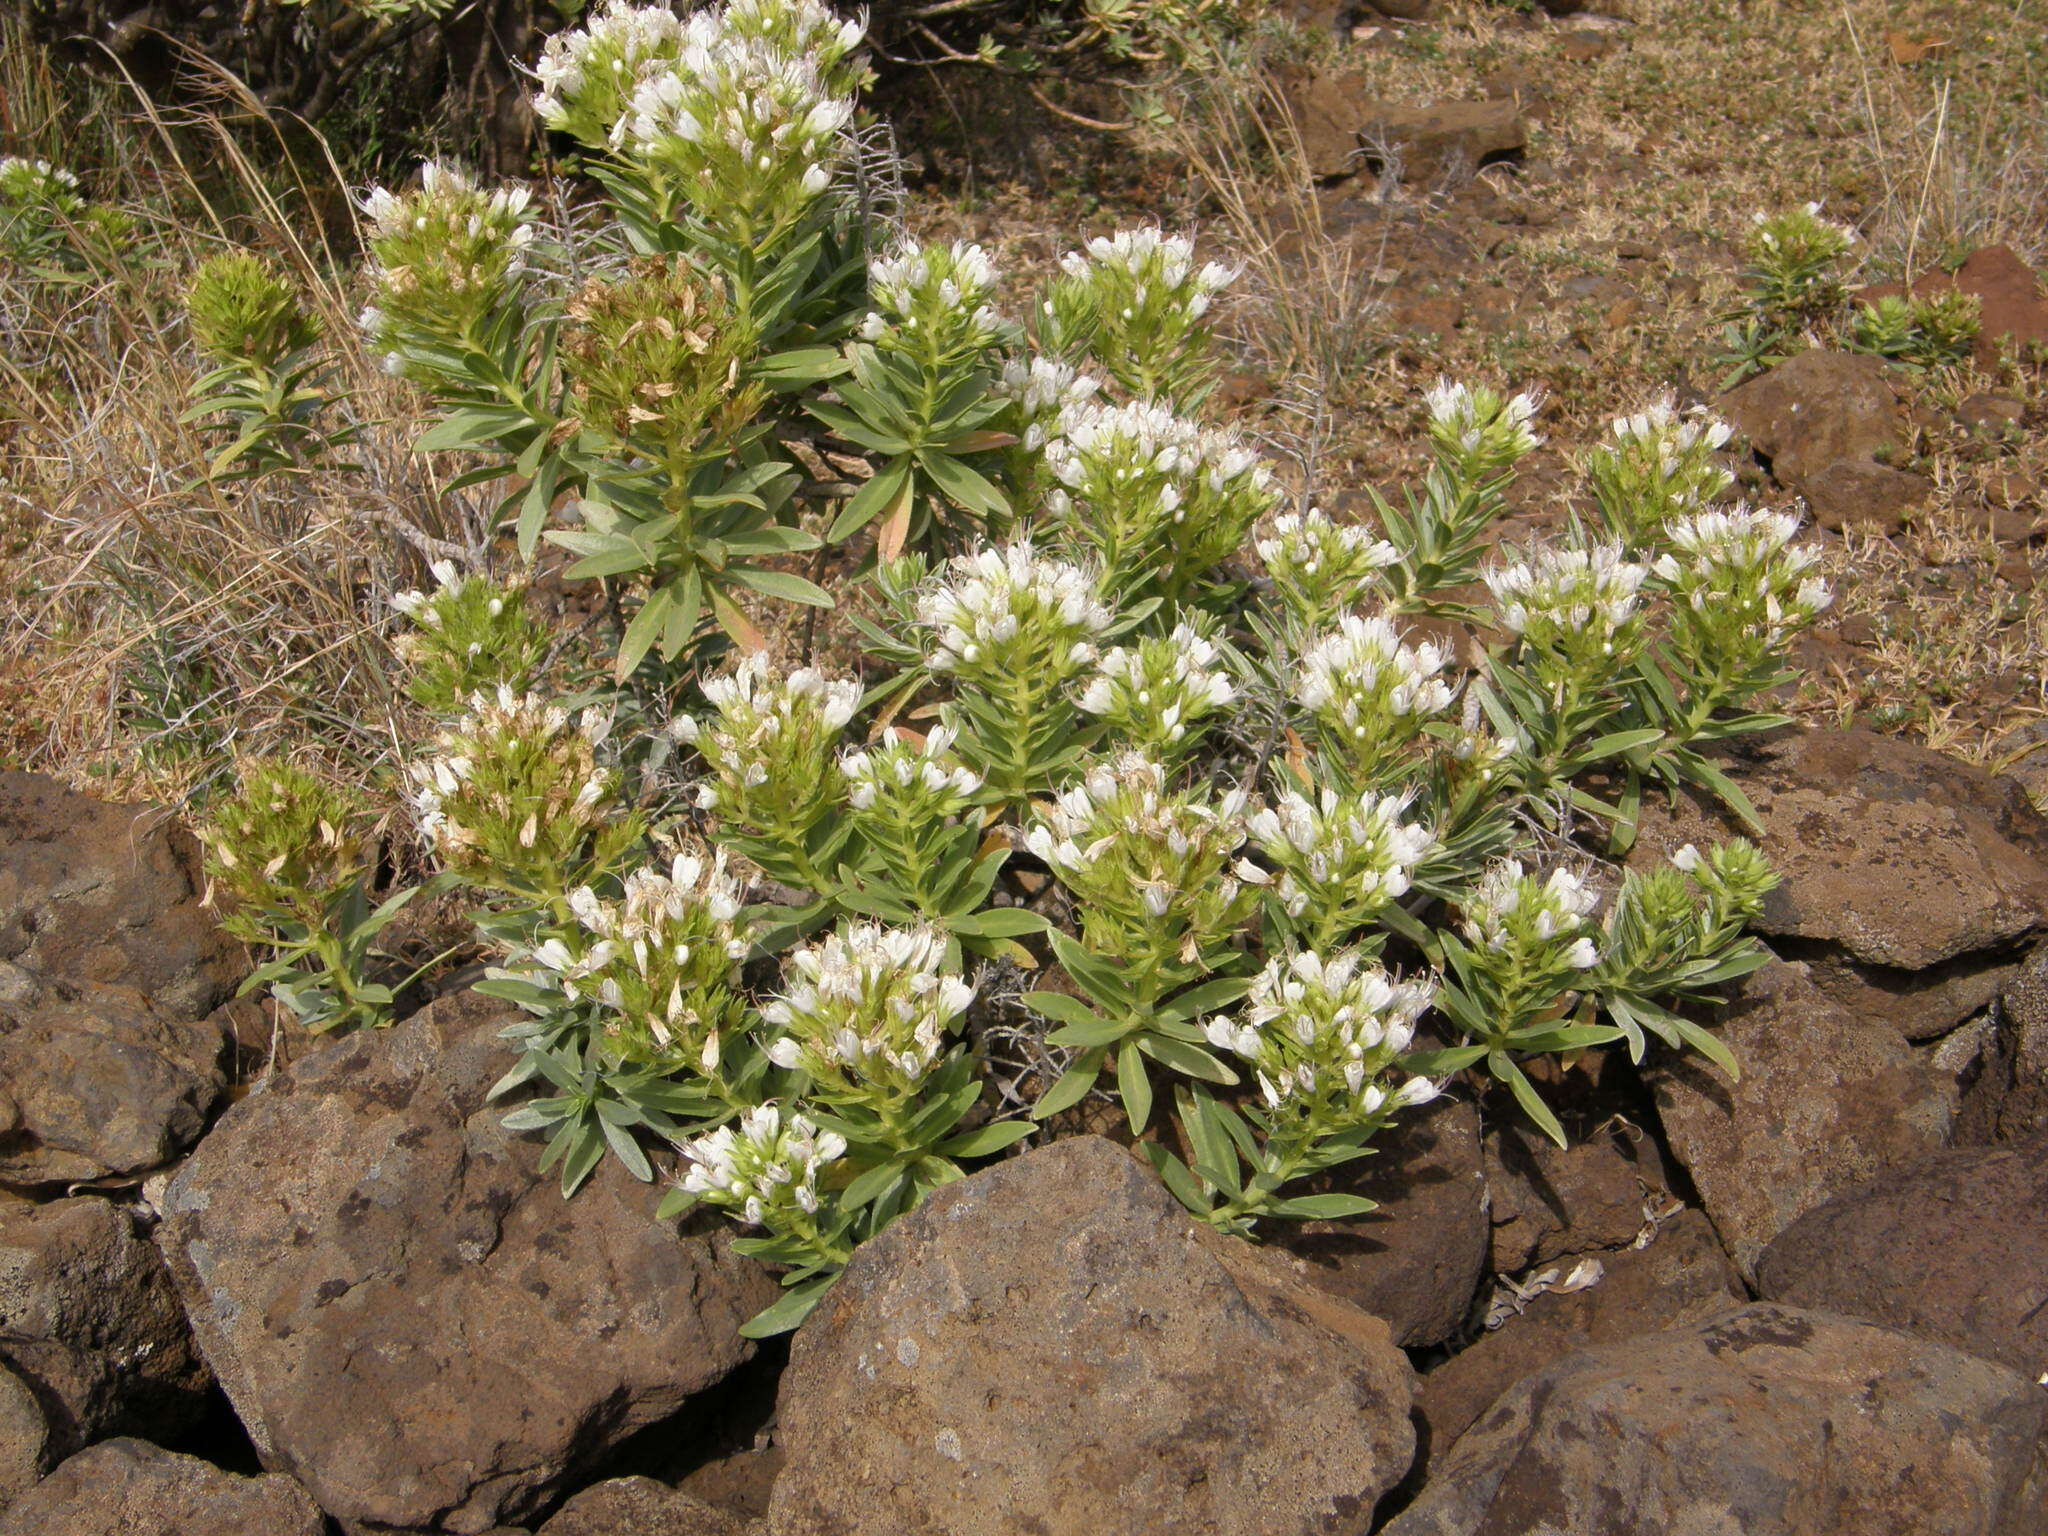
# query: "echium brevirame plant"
1161,896
268,379
295,860
1658,465
1156,502
1007,632
38,201
518,802
469,635
1138,304
774,784
1925,331
640,1023
1163,693
1323,1039
1794,261
921,393
1320,569
1051,753
862,1031
1477,436
1575,617
1792,282
1736,592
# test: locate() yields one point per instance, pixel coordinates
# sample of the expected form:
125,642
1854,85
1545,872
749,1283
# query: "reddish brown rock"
1052,1347
95,893
1766,1420
24,1437
1954,1249
89,1318
1416,1261
131,1488
96,1080
1681,1277
1549,1201
1818,409
1863,495
1826,1101
1899,857
403,1309
639,1506
1344,129
1921,1005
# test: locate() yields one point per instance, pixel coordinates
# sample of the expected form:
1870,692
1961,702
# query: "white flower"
1158,691
911,776
1508,908
769,1161
1577,594
867,1009
1318,1033
1480,424
1341,857
999,605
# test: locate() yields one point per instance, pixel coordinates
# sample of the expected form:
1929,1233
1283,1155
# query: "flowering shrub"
1278,862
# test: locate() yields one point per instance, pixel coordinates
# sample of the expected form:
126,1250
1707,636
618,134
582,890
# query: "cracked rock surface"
405,1312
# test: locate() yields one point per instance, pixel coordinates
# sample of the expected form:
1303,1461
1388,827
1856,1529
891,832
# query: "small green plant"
1795,265
1792,283
293,857
469,636
1139,303
1922,331
1659,465
38,202
268,378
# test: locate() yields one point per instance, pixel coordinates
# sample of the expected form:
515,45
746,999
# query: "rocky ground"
254,1287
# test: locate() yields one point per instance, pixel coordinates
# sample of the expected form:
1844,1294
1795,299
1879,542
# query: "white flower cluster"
1738,567
662,955
517,771
769,1162
1156,873
1001,609
450,196
1588,594
425,608
1671,435
1319,567
911,772
1043,389
765,724
935,298
1103,442
1804,227
1344,855
589,74
24,181
866,1010
1659,466
1157,692
751,115
1149,268
1511,909
1370,692
1479,431
1318,1033
443,258
1155,496
1136,303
